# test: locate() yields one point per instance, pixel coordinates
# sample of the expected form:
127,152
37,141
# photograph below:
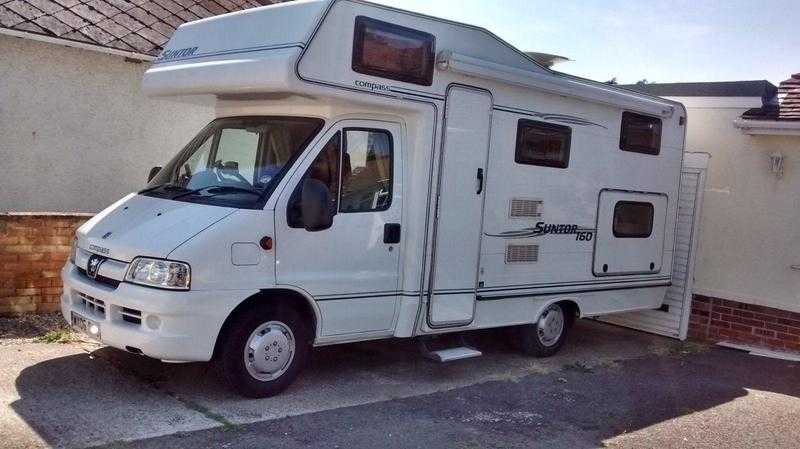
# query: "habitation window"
540,143
640,133
392,51
633,219
366,171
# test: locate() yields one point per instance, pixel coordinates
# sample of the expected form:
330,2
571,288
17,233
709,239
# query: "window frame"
343,150
624,146
523,124
360,66
623,203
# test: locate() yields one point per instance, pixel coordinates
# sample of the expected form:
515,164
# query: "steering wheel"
219,171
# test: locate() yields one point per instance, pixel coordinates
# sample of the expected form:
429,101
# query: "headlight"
73,252
159,273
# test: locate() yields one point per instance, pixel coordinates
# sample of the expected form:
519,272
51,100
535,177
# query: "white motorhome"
376,173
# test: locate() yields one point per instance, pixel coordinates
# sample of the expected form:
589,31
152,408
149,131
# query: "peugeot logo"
94,265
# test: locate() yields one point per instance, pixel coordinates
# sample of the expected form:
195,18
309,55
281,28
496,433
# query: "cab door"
350,265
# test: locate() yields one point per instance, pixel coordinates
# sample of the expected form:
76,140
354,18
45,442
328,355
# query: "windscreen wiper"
165,186
218,190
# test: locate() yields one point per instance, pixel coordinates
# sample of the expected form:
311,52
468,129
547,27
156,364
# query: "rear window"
392,51
640,133
633,219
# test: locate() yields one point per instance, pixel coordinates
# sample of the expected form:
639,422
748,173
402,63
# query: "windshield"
235,161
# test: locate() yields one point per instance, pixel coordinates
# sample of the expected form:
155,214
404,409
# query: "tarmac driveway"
609,386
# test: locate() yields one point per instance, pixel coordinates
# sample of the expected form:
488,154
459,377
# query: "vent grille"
92,305
525,208
522,253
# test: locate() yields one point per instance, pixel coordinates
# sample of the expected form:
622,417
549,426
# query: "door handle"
480,181
391,233
795,267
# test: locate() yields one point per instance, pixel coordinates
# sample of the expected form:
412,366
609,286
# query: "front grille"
92,305
113,283
132,316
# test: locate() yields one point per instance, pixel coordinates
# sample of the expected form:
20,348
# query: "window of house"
540,143
633,219
640,133
366,171
392,51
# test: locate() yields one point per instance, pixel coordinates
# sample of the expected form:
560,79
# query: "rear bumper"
163,324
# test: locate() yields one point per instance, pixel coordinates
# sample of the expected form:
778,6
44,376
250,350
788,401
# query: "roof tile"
24,9
187,15
142,16
174,21
76,36
139,43
113,28
213,7
185,3
153,36
200,11
48,6
155,10
121,45
30,26
87,12
70,18
128,21
104,8
163,28
96,34
170,6
228,5
68,3
122,5
53,25
9,18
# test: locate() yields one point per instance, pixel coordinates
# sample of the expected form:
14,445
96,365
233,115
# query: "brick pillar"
33,249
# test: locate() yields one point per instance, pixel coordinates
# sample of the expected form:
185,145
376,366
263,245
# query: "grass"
59,336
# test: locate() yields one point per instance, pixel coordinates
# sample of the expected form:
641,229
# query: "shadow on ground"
606,382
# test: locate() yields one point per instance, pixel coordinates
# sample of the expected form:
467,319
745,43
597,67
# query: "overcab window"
640,133
540,143
633,219
392,51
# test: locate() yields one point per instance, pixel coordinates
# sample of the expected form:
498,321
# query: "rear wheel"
546,336
264,351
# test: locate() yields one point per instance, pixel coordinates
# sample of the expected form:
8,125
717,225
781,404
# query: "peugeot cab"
375,173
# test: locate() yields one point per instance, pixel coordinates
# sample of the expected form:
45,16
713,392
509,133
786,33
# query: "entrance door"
457,233
350,266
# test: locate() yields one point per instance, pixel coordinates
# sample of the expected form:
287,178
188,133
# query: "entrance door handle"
391,233
480,181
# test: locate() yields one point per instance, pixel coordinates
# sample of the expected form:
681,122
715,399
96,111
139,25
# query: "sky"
661,41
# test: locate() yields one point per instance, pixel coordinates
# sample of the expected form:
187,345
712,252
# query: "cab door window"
366,171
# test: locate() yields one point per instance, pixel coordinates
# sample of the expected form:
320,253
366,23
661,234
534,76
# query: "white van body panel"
466,258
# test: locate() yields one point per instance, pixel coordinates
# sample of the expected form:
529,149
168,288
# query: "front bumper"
163,324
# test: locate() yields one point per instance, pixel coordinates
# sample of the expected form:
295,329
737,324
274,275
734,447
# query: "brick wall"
714,319
33,249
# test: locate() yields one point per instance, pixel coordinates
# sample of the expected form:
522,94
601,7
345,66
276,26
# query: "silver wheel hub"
269,350
550,325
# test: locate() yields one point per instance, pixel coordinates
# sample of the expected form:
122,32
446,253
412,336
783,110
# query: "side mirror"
315,205
153,172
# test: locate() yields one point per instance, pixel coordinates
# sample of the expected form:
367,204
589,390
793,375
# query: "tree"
644,81
612,81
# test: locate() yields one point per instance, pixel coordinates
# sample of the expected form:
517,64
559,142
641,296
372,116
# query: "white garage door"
673,318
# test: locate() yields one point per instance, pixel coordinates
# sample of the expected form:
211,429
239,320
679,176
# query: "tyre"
264,350
546,336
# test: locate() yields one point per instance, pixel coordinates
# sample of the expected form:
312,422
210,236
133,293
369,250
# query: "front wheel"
546,336
264,351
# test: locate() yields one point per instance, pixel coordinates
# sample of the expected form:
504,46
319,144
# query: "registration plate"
85,325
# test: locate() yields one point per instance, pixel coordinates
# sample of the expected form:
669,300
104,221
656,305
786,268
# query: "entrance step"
451,354
458,350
